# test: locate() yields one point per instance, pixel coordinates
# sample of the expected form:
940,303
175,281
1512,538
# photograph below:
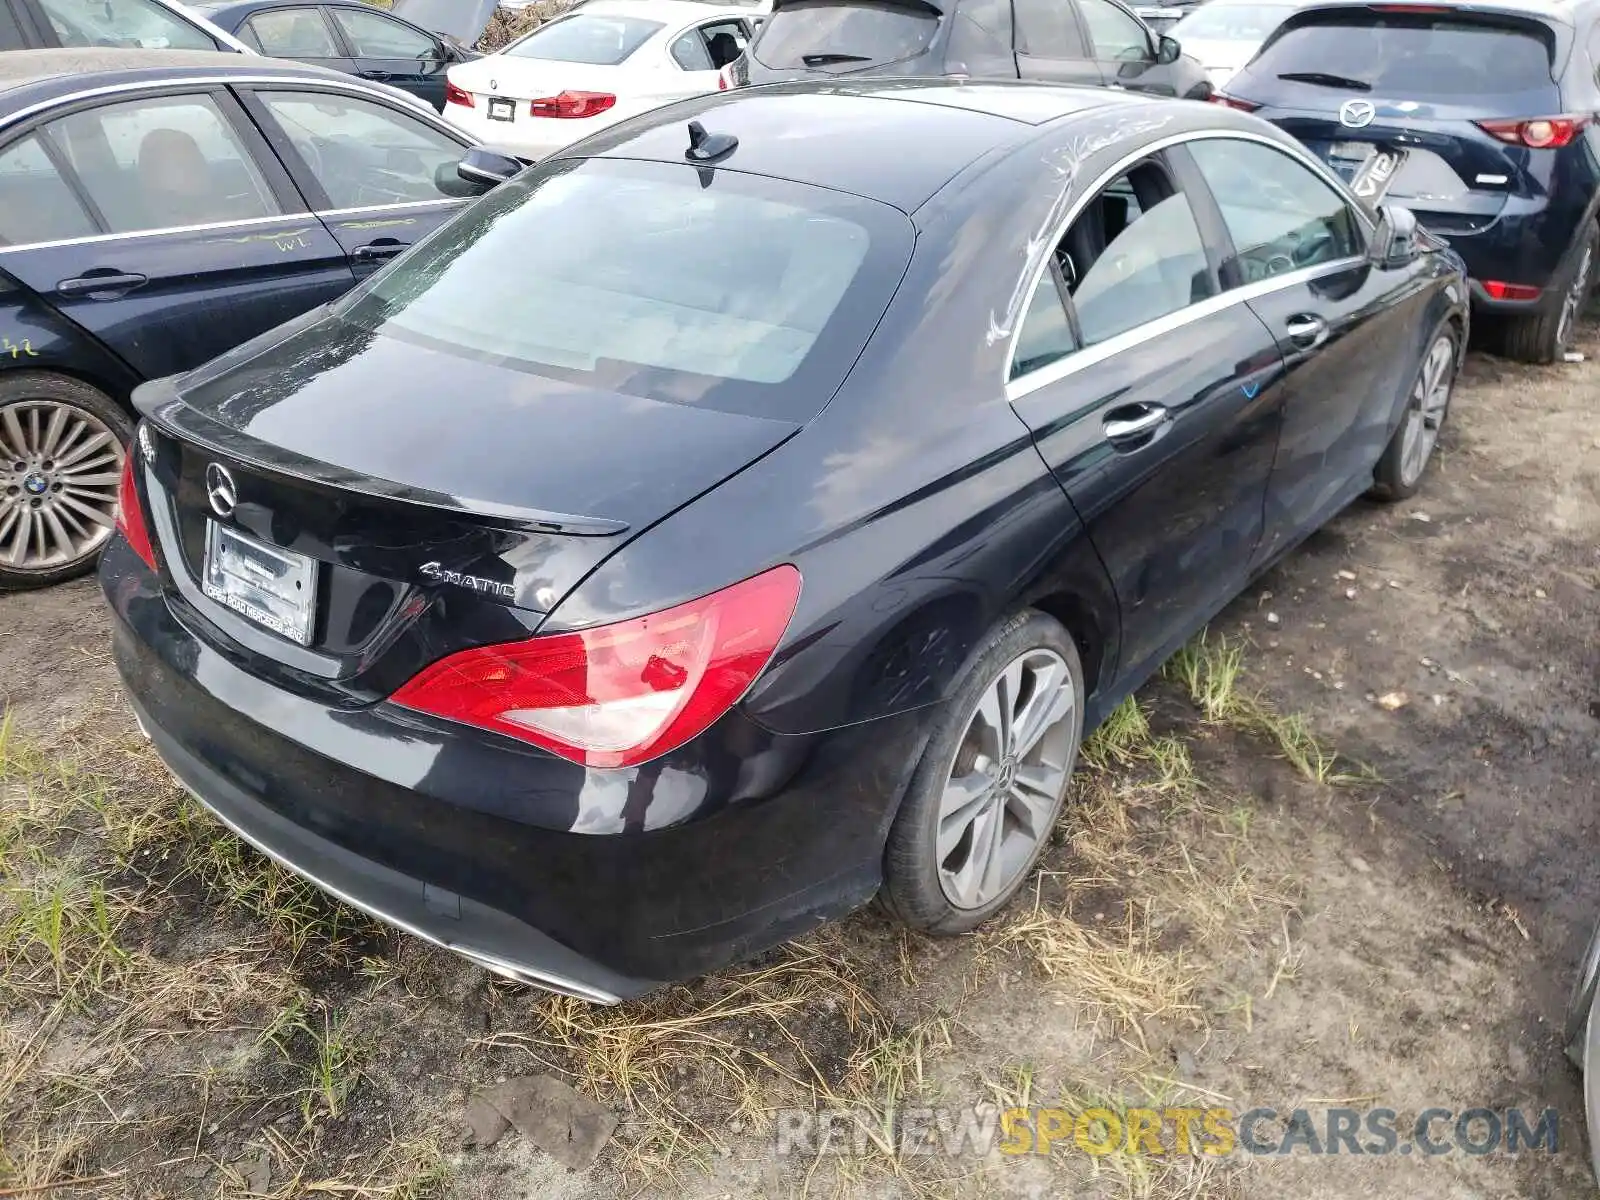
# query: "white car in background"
604,61
1225,34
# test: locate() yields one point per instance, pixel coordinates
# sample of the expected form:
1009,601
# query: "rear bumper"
601,884
527,137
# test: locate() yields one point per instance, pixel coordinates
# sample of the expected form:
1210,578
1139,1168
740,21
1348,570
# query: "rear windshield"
734,291
585,38
843,35
1232,22
1412,55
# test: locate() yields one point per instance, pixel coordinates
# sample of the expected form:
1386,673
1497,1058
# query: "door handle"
1134,423
101,285
379,250
1306,330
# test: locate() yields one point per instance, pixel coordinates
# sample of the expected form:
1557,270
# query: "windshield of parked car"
1418,56
844,35
1232,22
739,291
593,38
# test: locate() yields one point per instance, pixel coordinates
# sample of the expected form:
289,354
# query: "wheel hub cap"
36,484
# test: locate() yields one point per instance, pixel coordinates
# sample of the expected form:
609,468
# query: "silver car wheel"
59,469
1425,413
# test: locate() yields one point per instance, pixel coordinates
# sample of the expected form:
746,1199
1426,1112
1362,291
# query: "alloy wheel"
59,469
1005,784
1572,303
1430,400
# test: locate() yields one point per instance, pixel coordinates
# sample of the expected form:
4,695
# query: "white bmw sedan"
607,60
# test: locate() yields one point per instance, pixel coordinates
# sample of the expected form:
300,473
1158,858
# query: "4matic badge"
477,583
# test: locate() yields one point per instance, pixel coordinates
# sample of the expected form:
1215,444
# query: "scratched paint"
389,224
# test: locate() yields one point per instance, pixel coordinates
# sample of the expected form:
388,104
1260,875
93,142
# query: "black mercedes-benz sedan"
737,516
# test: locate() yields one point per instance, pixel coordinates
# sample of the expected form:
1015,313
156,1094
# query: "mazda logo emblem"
1357,113
220,490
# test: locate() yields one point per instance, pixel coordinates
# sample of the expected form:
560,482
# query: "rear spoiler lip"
1551,16
160,404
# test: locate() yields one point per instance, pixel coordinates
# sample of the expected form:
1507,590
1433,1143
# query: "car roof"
857,133
34,76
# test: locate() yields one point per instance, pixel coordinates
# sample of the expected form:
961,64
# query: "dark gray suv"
1094,42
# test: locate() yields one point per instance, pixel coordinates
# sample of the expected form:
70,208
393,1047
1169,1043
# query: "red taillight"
572,104
722,80
455,95
1233,102
617,695
1537,133
130,514
1510,291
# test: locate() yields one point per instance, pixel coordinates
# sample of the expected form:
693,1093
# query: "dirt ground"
1338,856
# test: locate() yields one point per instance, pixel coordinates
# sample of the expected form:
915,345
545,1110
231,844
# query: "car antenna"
705,147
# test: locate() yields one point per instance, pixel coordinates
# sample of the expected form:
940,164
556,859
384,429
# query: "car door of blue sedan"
1153,396
381,176
163,228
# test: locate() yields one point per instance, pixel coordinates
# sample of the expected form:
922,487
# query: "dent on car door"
1298,251
379,177
1153,398
152,225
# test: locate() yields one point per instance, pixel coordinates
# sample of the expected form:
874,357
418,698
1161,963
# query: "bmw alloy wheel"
1430,401
1007,780
59,468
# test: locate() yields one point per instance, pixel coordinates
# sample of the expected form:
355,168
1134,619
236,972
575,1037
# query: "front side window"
1280,214
133,24
1047,29
594,38
1116,33
844,35
374,36
162,163
293,33
1134,254
364,154
36,204
750,294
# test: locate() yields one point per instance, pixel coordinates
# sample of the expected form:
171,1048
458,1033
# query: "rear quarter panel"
34,337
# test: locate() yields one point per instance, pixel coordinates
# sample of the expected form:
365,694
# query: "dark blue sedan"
735,516
157,208
344,35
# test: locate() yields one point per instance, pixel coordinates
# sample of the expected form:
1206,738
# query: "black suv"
1098,42
1478,117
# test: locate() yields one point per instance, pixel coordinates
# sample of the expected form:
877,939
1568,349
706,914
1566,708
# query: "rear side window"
1410,55
749,294
292,33
36,204
129,24
844,35
593,38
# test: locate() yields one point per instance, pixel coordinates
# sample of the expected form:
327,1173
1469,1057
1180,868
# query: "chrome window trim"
1078,360
399,207
206,81
1167,321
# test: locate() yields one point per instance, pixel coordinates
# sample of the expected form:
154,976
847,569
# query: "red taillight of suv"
130,514
456,95
570,105
617,695
1233,102
1537,133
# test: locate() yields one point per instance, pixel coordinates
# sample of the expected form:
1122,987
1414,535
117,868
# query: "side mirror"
1168,50
1394,242
486,169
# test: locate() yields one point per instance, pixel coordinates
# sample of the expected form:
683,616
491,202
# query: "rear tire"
62,443
1543,337
990,784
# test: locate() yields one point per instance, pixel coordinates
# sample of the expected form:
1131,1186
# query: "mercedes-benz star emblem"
220,490
1356,113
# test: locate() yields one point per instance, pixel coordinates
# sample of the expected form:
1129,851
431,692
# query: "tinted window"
751,294
1116,34
372,36
1280,215
586,38
293,33
1046,333
844,35
1415,55
1047,29
36,205
137,24
1133,254
162,163
689,52
362,153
